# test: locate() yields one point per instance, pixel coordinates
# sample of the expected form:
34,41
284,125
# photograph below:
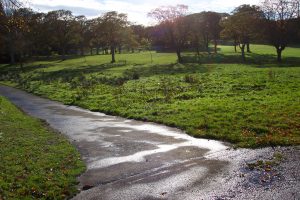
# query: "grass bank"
36,163
250,104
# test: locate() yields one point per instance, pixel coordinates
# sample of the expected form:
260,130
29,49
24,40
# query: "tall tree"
139,31
214,27
196,35
61,24
11,26
229,32
22,35
173,22
205,28
129,40
113,25
98,33
242,25
211,22
89,34
279,16
253,12
80,30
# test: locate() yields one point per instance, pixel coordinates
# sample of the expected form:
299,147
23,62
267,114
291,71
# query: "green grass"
250,104
36,163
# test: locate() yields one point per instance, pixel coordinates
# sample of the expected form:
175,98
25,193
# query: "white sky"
136,9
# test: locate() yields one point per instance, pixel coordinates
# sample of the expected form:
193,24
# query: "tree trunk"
12,56
91,51
279,53
216,44
207,46
206,42
11,50
112,49
235,44
48,52
178,52
63,53
248,48
198,50
97,50
151,57
81,50
21,60
120,49
242,47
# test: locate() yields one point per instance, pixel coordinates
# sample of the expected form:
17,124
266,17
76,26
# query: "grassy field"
250,104
35,163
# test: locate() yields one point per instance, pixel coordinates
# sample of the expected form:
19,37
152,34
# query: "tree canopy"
26,33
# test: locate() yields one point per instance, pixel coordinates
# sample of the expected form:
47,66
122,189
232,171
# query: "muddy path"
128,159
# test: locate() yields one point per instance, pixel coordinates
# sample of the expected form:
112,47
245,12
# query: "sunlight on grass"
36,163
250,104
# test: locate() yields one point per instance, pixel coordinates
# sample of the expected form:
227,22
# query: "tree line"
26,34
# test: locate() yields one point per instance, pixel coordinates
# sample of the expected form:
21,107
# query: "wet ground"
127,159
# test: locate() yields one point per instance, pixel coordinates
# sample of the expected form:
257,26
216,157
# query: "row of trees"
180,31
275,22
25,33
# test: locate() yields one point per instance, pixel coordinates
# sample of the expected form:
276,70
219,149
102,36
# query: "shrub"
191,78
131,74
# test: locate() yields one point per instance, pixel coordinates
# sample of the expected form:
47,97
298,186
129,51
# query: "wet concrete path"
127,159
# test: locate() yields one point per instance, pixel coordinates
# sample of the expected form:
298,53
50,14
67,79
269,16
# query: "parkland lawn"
250,104
35,162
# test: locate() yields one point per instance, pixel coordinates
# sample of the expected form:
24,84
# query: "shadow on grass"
262,60
4,67
141,70
52,62
170,69
75,72
188,66
57,58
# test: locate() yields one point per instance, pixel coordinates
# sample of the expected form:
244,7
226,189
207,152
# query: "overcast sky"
136,9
